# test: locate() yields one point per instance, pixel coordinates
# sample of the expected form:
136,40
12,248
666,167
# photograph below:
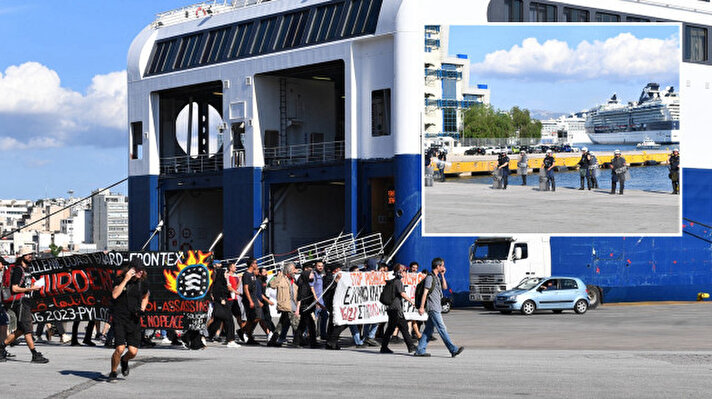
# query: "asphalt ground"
654,351
477,209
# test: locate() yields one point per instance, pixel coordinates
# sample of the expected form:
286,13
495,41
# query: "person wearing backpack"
21,289
431,301
394,309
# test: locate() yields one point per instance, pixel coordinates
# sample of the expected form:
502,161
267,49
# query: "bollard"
428,180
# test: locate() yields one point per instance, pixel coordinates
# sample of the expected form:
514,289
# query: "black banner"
79,287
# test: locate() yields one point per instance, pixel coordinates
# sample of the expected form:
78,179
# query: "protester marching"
185,300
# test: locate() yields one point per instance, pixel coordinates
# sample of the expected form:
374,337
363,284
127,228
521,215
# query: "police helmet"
584,149
617,152
675,150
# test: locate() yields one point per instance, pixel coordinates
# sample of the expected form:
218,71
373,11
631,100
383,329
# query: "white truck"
500,263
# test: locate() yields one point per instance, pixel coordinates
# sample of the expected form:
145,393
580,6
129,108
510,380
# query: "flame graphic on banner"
194,258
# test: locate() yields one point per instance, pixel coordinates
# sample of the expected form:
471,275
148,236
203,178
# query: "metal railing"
200,10
185,164
344,249
238,158
304,153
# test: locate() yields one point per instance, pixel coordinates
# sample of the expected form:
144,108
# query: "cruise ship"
310,113
655,116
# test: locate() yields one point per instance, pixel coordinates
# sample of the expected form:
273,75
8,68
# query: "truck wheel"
594,296
528,307
581,306
488,305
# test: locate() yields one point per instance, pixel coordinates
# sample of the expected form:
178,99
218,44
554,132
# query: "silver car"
544,293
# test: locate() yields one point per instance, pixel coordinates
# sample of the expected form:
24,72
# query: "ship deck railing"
200,10
344,249
300,154
187,164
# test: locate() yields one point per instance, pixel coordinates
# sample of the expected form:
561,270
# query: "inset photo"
552,129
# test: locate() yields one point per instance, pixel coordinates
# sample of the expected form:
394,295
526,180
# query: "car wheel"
528,307
581,306
594,296
446,306
505,311
488,305
557,311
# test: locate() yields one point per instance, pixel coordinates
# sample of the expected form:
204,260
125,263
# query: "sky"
567,68
63,93
63,82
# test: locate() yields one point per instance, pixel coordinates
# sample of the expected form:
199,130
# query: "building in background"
448,93
110,221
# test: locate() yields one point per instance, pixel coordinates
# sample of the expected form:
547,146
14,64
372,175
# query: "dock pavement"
477,209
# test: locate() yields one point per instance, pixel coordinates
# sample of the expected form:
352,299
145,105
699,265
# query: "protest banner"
78,287
356,299
74,287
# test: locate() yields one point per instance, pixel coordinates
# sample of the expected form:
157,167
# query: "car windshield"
490,251
528,283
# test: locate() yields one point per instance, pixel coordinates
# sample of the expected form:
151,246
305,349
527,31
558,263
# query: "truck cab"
499,263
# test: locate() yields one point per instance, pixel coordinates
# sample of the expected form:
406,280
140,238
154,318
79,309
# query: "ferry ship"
655,116
566,129
309,113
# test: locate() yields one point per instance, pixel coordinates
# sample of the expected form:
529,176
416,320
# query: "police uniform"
618,174
583,170
504,172
674,164
548,163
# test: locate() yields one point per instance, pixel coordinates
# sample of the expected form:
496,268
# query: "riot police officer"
674,165
549,167
619,167
583,164
503,168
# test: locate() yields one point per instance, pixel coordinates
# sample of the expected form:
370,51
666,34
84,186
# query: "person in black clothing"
583,164
618,173
442,158
252,301
331,279
221,308
674,165
266,302
87,333
396,318
549,167
305,306
21,283
130,296
503,166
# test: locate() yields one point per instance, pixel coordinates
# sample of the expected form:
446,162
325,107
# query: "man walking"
396,318
130,296
21,288
431,301
305,306
283,282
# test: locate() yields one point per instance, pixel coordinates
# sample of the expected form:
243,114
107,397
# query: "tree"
55,250
483,121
